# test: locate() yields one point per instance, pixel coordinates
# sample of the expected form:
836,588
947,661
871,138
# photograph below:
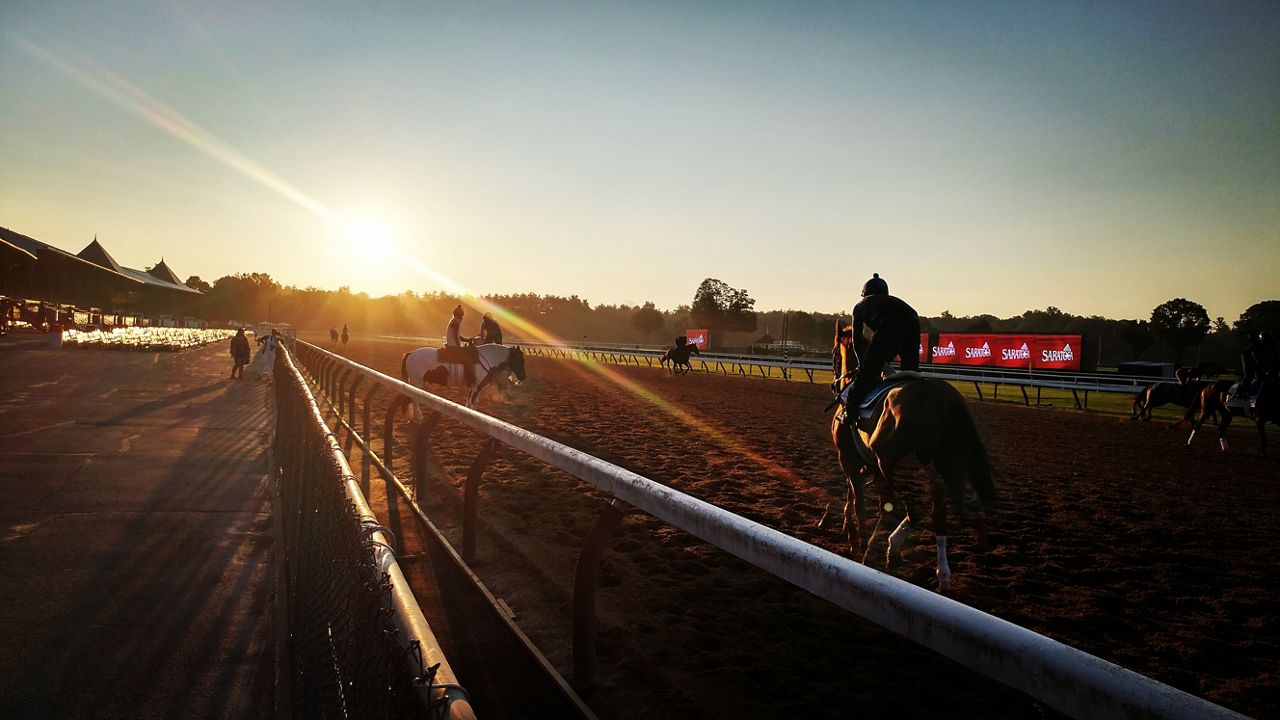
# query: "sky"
996,157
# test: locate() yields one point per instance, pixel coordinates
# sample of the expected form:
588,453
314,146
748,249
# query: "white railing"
1066,679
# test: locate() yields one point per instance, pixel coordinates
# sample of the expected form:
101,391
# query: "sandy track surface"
1109,537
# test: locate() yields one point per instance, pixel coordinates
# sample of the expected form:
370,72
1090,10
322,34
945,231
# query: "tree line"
1178,330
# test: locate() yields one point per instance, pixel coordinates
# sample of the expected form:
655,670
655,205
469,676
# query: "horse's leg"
852,466
1222,431
1204,413
891,443
941,529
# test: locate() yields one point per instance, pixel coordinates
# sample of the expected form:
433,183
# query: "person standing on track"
239,354
883,326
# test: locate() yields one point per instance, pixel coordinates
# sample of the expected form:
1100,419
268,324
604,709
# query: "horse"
1203,371
1213,398
423,367
678,356
922,416
1186,395
333,336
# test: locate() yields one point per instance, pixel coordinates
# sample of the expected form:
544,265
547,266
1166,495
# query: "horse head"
515,361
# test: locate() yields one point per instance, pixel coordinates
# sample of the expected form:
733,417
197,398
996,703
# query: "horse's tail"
971,453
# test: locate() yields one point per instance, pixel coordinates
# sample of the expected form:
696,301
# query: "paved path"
137,575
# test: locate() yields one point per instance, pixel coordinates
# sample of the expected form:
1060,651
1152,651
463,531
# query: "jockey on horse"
883,326
454,352
1260,360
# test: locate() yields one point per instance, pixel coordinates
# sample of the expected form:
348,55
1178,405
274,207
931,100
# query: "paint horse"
457,367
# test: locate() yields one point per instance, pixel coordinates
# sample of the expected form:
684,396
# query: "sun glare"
369,239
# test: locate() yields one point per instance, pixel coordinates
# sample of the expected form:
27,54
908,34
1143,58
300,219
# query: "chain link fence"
349,658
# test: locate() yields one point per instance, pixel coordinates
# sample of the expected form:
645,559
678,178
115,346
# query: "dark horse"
1213,398
1153,396
678,356
924,417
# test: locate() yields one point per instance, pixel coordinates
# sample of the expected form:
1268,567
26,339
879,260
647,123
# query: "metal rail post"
585,582
365,484
388,459
471,499
351,401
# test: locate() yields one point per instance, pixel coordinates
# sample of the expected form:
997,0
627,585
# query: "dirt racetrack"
1109,537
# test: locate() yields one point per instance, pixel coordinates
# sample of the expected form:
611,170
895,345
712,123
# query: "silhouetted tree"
721,308
195,283
1180,324
1261,316
1137,335
647,320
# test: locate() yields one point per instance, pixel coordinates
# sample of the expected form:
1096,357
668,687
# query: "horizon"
983,158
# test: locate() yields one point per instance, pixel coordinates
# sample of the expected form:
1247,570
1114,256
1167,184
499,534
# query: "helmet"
875,286
488,316
457,312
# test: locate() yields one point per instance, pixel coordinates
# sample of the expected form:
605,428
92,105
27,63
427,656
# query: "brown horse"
678,356
924,417
1186,395
1213,398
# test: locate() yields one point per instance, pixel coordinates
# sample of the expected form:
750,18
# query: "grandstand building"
41,283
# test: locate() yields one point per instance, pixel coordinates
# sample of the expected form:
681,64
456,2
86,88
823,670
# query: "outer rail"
813,371
444,691
1068,680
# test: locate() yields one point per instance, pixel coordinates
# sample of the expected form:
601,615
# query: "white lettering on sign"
1021,353
1063,355
948,350
982,352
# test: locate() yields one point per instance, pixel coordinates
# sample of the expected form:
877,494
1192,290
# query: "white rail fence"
1068,680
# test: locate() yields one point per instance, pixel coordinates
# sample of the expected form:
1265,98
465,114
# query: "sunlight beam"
125,94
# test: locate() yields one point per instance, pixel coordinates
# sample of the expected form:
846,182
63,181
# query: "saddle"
875,397
1240,399
467,356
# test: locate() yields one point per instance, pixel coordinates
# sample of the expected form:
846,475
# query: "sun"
369,239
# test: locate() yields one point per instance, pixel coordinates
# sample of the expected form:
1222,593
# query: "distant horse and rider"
1203,371
678,356
906,414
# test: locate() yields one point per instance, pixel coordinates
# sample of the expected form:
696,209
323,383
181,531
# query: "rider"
883,326
453,334
1261,360
490,332
463,356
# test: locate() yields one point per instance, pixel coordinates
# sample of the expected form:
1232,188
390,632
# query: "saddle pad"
876,395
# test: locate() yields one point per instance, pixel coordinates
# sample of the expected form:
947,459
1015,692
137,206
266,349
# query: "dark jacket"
876,311
490,332
240,348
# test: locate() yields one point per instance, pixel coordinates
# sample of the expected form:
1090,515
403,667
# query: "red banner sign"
697,337
1055,352
1048,352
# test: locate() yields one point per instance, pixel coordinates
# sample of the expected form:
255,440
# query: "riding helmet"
875,286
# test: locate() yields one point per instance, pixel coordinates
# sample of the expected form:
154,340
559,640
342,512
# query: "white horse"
494,363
